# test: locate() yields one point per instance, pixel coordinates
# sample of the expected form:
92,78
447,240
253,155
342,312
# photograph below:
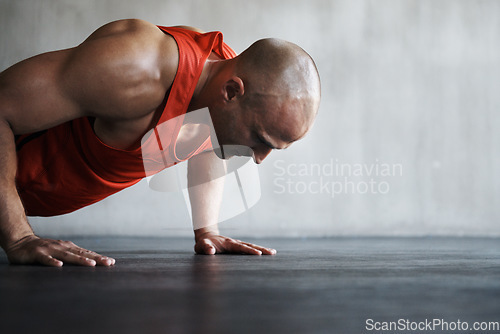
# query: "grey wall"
412,85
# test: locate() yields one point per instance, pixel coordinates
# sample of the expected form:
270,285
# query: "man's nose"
261,154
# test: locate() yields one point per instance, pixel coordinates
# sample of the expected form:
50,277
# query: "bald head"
279,72
273,66
266,98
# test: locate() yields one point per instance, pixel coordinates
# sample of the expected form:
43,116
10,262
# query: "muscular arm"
16,236
116,75
206,185
17,87
205,197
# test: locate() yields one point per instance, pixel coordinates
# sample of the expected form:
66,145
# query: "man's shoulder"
122,70
136,36
123,28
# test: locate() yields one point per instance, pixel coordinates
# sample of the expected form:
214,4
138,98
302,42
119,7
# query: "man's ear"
233,88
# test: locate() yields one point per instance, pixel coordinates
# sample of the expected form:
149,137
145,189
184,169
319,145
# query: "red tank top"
68,167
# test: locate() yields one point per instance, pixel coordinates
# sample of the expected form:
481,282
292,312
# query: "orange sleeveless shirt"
68,167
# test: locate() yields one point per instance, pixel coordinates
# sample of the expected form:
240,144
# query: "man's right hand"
34,250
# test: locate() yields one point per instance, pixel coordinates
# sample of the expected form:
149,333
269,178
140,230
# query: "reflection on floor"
312,286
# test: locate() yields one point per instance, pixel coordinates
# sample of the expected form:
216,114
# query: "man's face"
275,124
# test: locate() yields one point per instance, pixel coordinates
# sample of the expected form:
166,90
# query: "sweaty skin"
120,76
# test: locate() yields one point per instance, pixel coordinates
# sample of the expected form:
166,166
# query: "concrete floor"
312,286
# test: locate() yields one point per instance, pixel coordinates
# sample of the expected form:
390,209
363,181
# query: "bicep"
31,98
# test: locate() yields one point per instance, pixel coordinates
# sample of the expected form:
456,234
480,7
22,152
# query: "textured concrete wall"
407,139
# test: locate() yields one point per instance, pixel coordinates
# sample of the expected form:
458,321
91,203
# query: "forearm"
13,222
205,203
206,184
206,176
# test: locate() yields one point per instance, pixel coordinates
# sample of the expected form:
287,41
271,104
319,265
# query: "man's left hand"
211,243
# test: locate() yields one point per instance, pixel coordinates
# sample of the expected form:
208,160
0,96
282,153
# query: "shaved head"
279,72
273,66
266,98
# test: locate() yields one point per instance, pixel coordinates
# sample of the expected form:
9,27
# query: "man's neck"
201,96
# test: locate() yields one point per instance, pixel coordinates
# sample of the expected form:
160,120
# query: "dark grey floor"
311,286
